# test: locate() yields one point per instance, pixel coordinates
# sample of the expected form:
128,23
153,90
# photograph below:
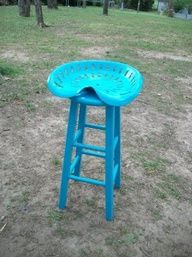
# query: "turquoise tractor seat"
114,83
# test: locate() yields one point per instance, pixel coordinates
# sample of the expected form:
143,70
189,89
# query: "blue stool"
94,83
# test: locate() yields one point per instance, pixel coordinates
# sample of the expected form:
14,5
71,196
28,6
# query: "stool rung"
90,147
115,170
74,163
92,153
95,126
88,180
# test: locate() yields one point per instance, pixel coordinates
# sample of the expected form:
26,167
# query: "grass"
172,187
151,163
55,216
90,252
69,36
25,197
155,134
124,237
56,161
8,69
156,214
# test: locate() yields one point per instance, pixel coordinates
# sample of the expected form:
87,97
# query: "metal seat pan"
113,83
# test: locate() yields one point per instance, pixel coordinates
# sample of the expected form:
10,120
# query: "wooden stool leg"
81,127
68,154
109,161
118,147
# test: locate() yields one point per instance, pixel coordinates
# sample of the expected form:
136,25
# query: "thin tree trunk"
84,4
52,4
39,14
24,8
170,8
105,7
157,5
138,5
122,5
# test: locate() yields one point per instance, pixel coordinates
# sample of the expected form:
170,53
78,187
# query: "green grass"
123,237
86,252
8,69
171,186
151,163
56,161
25,197
55,216
156,214
27,55
73,30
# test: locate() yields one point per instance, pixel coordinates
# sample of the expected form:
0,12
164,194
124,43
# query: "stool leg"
81,126
118,147
68,154
109,162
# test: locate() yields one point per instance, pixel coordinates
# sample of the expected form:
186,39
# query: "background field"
153,212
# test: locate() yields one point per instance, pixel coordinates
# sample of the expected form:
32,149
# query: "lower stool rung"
87,180
92,153
95,126
90,147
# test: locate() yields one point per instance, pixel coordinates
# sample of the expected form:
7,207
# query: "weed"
55,216
159,193
86,252
156,214
91,203
122,190
65,233
151,164
56,161
7,69
124,237
168,187
30,106
56,190
24,197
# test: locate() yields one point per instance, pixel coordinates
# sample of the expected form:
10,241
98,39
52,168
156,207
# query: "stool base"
110,152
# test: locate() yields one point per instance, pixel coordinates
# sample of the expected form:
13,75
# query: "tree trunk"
122,5
138,5
52,4
39,14
157,5
84,4
24,8
170,8
105,7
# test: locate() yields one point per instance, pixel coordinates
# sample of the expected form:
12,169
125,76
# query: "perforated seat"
96,83
115,83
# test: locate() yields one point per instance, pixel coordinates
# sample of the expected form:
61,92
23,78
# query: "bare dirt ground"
153,210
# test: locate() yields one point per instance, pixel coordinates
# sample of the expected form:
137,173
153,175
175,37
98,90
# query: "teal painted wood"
68,155
87,180
95,126
115,83
71,169
118,146
81,127
92,153
109,162
95,83
90,147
